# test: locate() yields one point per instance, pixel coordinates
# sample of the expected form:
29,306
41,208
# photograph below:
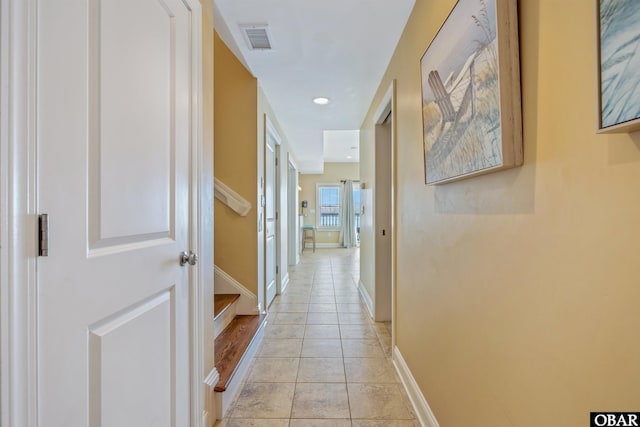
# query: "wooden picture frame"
471,103
618,67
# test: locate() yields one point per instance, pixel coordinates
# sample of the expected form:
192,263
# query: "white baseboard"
225,284
364,296
285,283
210,398
420,406
226,398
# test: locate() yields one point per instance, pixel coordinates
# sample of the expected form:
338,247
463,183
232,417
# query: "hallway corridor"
323,362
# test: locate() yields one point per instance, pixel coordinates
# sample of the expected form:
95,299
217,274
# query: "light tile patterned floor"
323,362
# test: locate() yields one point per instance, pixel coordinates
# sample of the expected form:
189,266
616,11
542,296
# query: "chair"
309,235
461,92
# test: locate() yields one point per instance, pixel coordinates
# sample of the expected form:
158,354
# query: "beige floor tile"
364,332
319,423
288,319
385,423
280,348
322,319
321,292
274,370
321,370
322,308
378,401
370,370
293,299
322,331
264,400
239,422
354,319
349,308
289,308
321,348
361,348
323,299
314,400
347,299
284,331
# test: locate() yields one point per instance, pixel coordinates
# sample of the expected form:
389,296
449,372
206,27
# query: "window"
328,205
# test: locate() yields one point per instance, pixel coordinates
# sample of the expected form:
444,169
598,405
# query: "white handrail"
230,198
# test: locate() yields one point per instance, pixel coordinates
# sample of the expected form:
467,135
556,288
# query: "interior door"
114,141
270,213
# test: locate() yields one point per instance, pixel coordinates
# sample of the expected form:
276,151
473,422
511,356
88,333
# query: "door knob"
188,258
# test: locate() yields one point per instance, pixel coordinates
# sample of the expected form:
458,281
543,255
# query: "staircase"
237,338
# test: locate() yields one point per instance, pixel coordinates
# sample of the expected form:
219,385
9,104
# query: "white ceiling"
341,146
333,48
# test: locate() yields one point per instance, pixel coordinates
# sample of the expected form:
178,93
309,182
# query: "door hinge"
276,215
277,269
276,161
43,235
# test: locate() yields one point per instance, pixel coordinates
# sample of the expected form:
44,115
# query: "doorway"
384,210
293,225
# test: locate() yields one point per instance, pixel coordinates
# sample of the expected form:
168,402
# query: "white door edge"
18,212
199,233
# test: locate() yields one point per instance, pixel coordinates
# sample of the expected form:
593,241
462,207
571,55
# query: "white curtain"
347,216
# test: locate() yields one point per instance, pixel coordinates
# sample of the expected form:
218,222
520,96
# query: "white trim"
364,296
421,407
248,302
385,106
198,233
285,282
235,201
271,129
208,415
18,208
388,106
226,398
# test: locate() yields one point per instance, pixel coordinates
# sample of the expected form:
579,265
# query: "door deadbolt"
188,258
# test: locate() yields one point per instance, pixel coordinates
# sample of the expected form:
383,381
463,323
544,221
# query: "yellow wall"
333,173
235,162
518,291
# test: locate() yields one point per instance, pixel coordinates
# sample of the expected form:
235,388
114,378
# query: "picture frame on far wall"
618,65
471,103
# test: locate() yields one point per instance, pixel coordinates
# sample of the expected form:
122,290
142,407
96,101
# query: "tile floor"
323,362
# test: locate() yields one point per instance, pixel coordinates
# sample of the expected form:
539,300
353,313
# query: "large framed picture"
618,65
471,107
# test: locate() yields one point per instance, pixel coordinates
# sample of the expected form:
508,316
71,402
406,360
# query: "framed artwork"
618,65
471,108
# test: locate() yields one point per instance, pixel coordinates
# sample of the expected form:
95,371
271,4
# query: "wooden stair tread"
222,301
231,345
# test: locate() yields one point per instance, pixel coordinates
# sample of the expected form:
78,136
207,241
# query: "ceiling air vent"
257,36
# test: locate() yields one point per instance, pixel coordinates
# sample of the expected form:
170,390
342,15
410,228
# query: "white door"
270,212
114,135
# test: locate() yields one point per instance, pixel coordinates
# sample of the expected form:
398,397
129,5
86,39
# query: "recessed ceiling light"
321,100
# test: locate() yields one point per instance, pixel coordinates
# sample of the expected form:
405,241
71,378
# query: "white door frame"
270,129
388,106
293,253
18,213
